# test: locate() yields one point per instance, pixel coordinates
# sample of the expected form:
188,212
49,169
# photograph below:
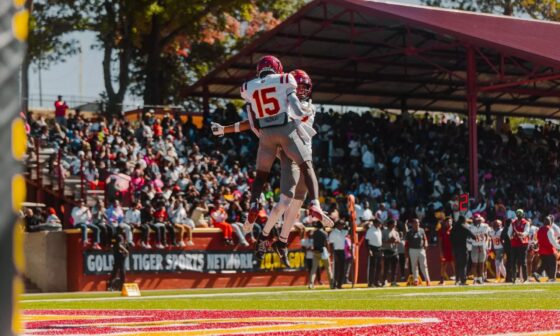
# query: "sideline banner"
13,29
177,261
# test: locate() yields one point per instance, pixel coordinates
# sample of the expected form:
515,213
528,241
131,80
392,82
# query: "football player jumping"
281,122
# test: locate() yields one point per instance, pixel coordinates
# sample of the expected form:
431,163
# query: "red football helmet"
304,84
269,63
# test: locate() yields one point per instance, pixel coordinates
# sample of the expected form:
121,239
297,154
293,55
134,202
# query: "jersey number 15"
263,99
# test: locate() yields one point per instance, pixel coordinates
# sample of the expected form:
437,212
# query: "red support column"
472,108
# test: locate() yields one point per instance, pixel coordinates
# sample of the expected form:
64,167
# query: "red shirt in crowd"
60,108
161,215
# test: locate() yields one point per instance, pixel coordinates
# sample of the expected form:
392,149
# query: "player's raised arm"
240,126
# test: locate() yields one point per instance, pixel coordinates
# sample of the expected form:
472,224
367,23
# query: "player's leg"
298,151
265,158
289,174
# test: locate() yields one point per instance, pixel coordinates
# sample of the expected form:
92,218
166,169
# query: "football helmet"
304,84
269,63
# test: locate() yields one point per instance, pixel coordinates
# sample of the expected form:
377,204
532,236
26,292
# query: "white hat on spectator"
81,153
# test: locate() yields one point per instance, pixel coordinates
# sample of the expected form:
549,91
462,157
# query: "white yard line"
307,291
472,292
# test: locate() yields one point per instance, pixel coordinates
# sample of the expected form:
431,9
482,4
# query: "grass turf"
488,297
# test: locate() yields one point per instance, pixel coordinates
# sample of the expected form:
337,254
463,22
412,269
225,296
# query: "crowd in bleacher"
166,177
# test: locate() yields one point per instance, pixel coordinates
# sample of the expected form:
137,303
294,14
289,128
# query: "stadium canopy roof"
400,56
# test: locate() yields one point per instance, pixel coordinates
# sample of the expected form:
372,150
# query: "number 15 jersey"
268,98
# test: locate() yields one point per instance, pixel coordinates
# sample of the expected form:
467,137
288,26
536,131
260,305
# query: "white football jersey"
268,96
496,239
481,232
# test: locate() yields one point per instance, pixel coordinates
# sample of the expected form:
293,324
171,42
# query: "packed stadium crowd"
165,177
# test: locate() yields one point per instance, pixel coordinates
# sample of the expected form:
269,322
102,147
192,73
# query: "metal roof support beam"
502,86
472,109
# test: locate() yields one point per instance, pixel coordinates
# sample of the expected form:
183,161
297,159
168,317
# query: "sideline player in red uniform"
446,251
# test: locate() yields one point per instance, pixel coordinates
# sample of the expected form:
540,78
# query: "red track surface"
200,322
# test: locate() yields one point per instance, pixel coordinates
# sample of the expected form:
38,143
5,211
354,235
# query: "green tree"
49,23
180,41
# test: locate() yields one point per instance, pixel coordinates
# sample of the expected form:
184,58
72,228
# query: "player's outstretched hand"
217,129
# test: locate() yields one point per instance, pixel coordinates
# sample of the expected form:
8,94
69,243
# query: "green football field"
486,297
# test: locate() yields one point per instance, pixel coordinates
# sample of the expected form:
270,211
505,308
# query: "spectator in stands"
115,214
382,214
337,239
183,224
162,223
34,223
390,239
446,250
99,219
60,108
133,219
82,219
375,241
519,235
200,209
52,220
416,244
219,220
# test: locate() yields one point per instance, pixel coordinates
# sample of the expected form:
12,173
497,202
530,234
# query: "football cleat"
281,249
269,63
260,248
318,213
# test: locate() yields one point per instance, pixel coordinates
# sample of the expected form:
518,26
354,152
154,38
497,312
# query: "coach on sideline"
337,238
459,235
548,248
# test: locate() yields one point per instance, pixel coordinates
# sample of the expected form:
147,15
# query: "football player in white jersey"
479,246
292,186
498,248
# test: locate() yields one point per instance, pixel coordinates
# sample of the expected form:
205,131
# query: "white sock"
290,217
276,213
316,203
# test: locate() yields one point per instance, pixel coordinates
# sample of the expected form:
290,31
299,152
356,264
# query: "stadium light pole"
472,93
13,29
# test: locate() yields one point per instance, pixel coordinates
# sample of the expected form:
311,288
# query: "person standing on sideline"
374,239
506,243
548,249
320,239
459,235
337,239
445,249
479,247
519,235
390,238
416,243
60,108
498,249
120,253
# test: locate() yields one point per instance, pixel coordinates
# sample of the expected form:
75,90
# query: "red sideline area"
206,322
209,240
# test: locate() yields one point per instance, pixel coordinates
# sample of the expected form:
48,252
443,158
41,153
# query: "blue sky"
64,78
